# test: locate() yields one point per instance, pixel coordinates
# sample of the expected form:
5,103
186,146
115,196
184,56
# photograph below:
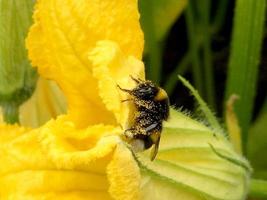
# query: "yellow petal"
65,32
124,176
112,68
57,161
46,102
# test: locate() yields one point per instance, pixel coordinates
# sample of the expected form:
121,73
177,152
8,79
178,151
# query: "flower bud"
17,77
193,162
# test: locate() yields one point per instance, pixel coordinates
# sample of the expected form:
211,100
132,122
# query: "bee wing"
154,151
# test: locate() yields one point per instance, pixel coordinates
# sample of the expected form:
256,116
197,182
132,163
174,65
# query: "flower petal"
57,161
63,34
46,102
123,174
112,68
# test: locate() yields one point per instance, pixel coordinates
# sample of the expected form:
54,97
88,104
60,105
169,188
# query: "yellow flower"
88,47
78,155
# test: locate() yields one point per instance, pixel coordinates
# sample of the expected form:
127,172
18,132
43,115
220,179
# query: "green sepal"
17,77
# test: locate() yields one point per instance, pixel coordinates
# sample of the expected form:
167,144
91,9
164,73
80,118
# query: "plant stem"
219,18
244,59
193,50
207,55
258,188
179,70
154,52
11,113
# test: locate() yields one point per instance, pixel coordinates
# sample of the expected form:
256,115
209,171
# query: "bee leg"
134,79
124,90
155,131
126,100
121,126
138,80
154,151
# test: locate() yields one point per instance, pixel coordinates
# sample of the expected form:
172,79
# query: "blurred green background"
221,48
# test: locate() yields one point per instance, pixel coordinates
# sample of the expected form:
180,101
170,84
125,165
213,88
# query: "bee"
152,108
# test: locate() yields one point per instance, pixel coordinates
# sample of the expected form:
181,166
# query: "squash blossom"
88,47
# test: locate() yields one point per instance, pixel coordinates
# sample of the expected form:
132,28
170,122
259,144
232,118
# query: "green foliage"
203,106
180,69
258,189
193,47
17,77
257,144
200,29
152,45
157,17
165,13
244,59
246,43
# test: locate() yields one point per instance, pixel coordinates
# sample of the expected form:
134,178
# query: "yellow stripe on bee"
161,95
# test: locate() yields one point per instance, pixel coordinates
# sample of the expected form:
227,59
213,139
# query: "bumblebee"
152,108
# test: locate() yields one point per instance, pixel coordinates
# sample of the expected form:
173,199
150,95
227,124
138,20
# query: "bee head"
145,91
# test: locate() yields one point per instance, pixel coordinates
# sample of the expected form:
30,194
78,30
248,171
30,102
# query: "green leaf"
181,69
213,122
194,48
244,59
17,77
257,143
157,17
152,47
258,189
166,13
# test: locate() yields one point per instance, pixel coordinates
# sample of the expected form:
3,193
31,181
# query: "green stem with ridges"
219,18
258,188
154,52
244,59
193,50
207,54
181,68
11,113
